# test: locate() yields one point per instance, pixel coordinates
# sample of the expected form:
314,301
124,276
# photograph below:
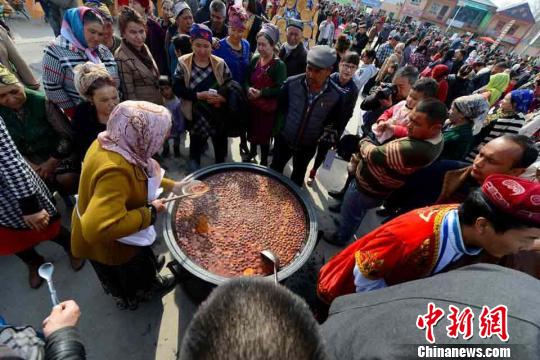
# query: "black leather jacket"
23,343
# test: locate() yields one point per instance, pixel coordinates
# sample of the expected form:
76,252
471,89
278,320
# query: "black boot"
337,194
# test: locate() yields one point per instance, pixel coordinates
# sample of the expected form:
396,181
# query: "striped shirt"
59,60
502,126
385,168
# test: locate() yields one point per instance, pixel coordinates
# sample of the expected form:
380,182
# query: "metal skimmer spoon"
46,271
270,256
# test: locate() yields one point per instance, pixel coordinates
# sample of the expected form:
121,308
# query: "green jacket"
457,142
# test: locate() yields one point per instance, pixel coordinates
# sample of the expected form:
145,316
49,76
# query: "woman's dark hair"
447,56
351,57
129,15
342,43
476,205
421,49
98,84
252,6
411,40
92,16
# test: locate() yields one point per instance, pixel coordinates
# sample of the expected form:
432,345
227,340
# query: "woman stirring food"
117,206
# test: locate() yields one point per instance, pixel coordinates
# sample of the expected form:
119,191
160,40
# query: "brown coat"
453,180
138,82
10,58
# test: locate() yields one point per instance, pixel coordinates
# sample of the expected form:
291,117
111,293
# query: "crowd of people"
446,149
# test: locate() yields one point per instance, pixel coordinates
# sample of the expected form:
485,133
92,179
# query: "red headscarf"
439,72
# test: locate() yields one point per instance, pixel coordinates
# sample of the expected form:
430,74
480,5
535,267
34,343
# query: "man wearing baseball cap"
501,218
310,104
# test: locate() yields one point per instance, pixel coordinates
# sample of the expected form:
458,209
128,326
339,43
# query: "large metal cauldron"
203,274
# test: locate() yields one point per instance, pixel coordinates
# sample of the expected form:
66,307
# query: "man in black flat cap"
310,105
293,53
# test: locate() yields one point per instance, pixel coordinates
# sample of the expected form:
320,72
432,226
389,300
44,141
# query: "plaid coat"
59,60
22,192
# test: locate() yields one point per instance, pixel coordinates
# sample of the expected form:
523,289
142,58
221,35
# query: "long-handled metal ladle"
271,256
187,189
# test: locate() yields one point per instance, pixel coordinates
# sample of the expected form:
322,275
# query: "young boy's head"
182,44
423,88
426,119
165,87
348,66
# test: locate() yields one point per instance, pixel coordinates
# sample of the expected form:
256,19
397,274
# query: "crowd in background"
441,114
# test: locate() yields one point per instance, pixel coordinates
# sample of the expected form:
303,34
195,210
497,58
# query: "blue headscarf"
73,31
522,100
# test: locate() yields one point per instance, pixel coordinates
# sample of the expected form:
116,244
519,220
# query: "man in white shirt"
367,69
326,31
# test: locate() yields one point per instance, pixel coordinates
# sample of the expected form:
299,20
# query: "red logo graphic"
460,322
493,322
429,320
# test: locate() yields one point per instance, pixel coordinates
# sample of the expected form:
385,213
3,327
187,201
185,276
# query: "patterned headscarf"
136,130
200,31
7,77
473,107
497,84
86,74
73,31
522,100
237,17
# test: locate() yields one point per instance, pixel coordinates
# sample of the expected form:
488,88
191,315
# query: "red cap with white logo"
514,196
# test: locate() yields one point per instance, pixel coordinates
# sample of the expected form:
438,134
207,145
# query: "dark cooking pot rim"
199,271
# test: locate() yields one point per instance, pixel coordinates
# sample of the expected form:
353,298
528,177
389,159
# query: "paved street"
156,328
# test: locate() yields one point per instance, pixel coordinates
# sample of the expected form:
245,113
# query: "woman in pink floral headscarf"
112,223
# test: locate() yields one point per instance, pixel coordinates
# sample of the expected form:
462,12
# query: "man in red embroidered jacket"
503,217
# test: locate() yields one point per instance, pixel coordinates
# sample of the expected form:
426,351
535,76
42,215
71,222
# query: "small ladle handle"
52,291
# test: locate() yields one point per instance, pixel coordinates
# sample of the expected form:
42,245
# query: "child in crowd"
394,121
180,45
171,102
